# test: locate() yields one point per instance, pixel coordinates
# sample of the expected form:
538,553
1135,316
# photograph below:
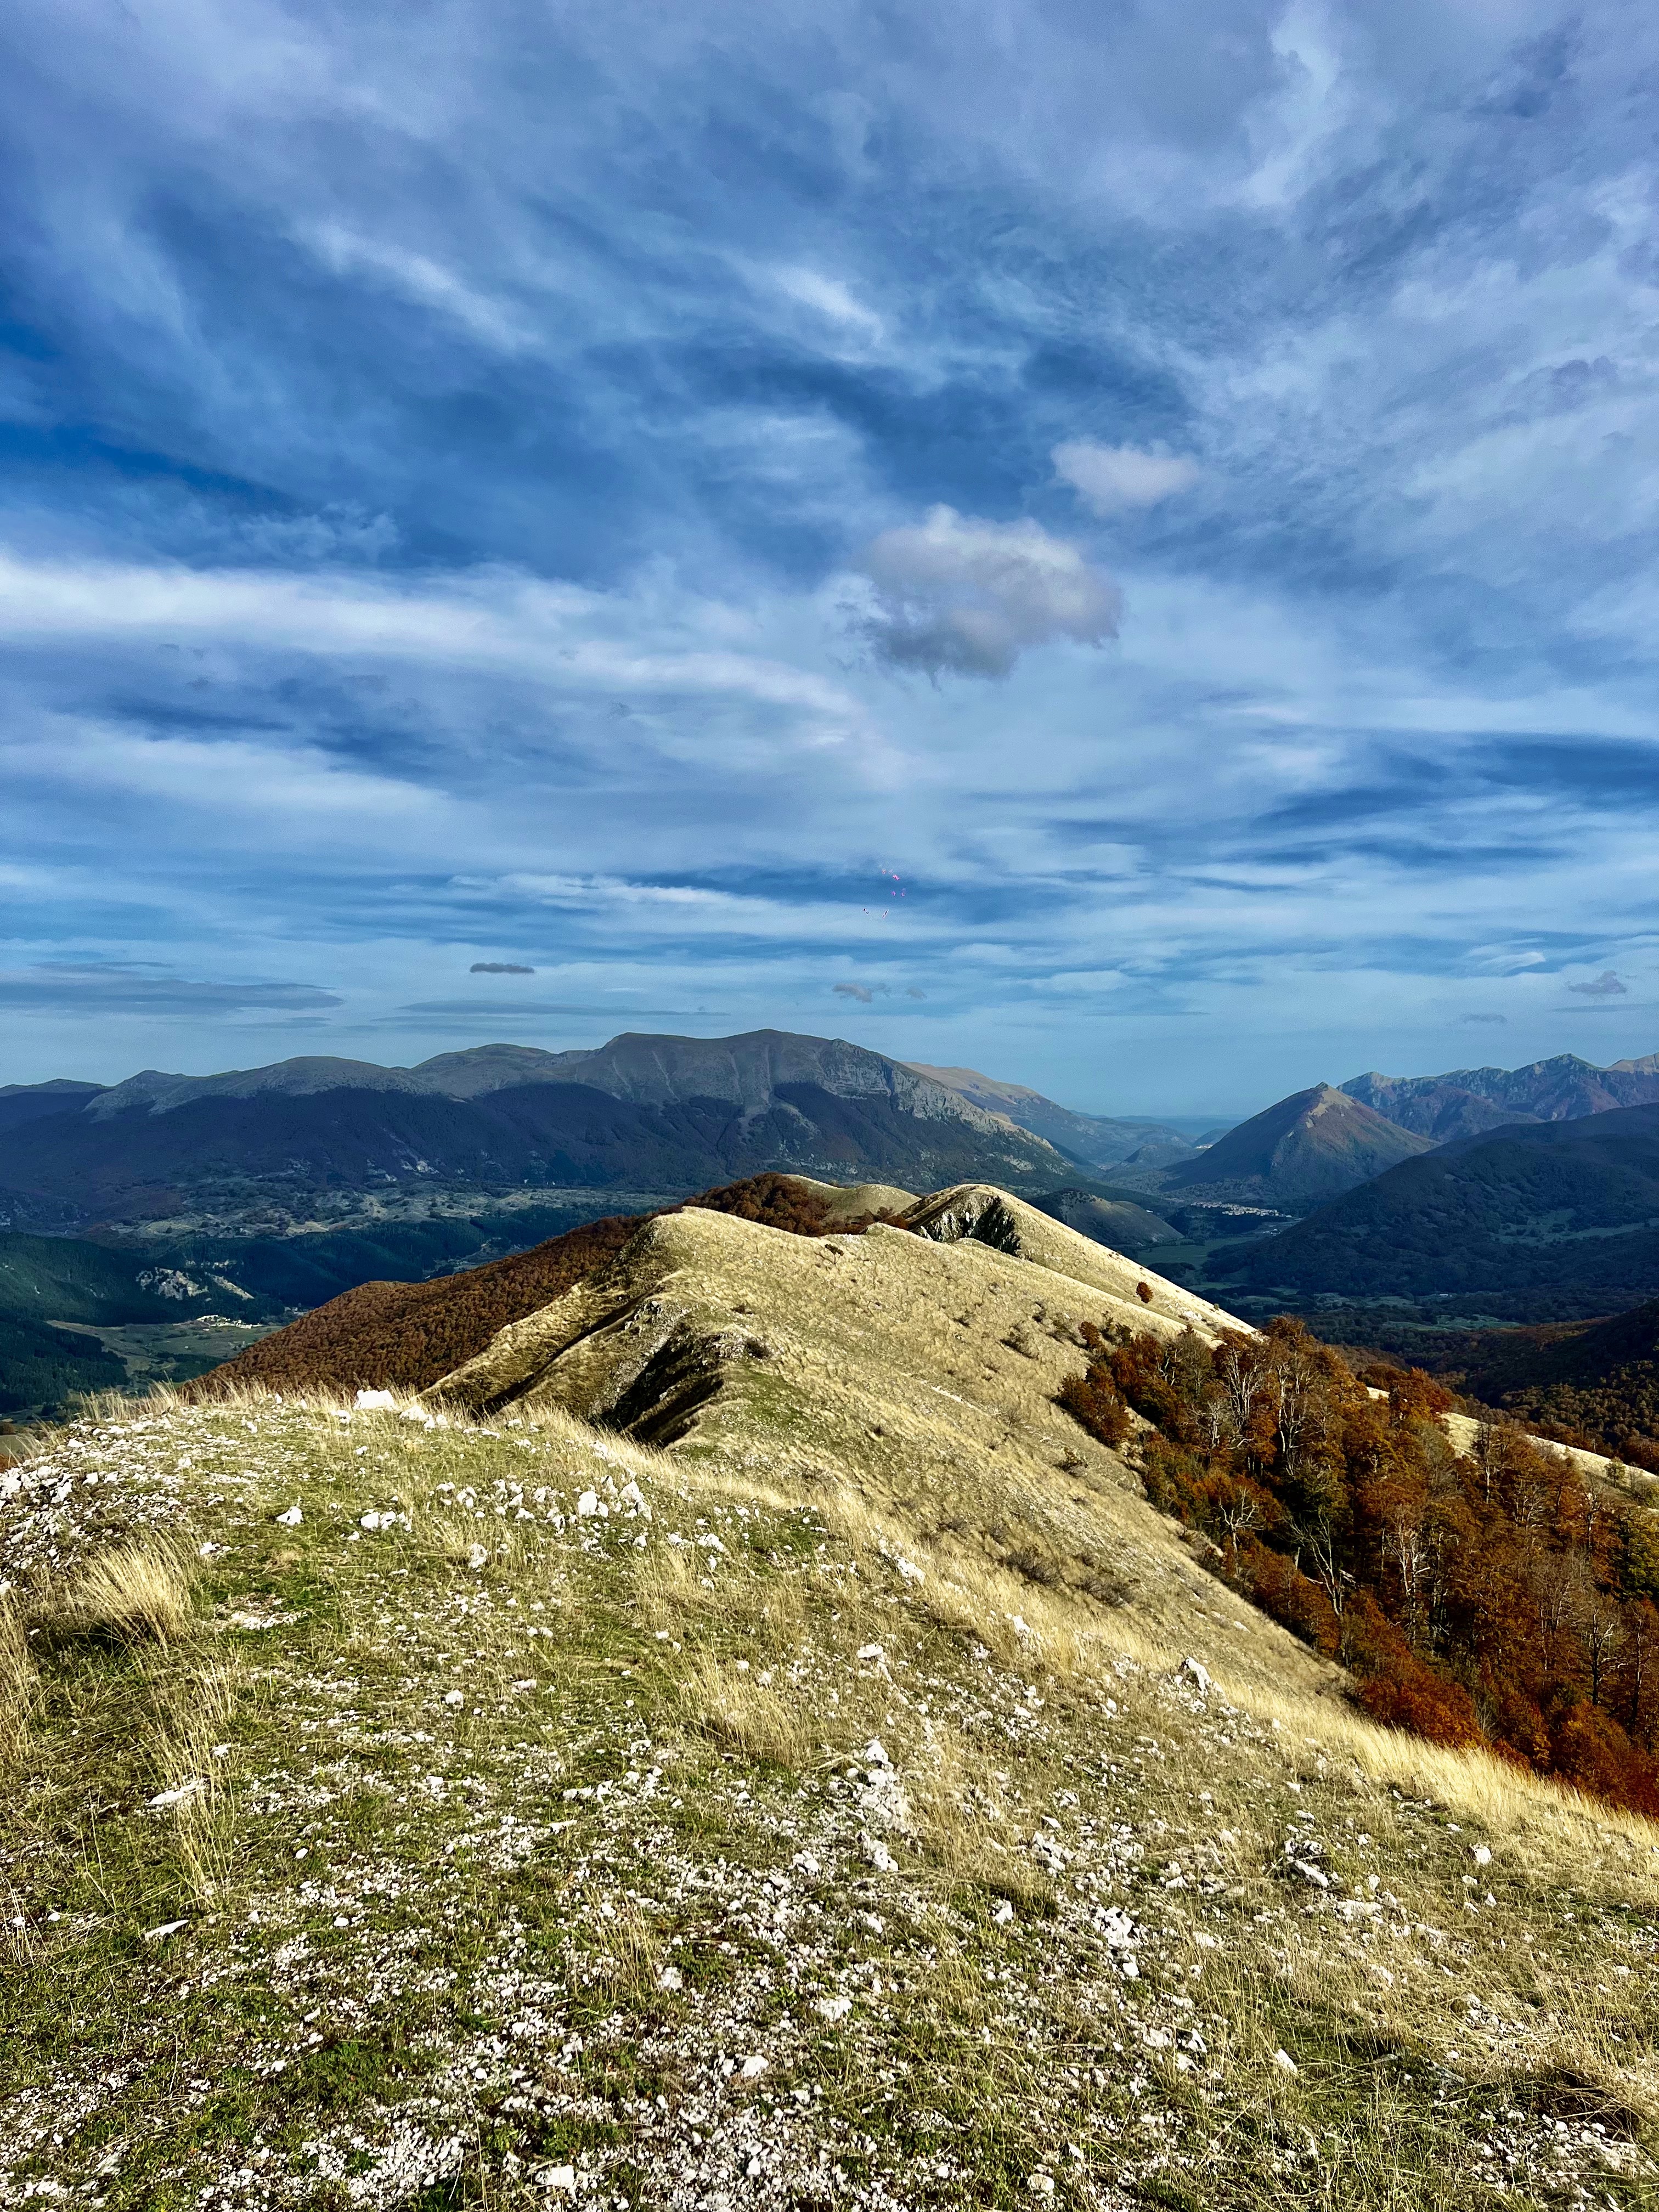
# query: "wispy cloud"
1606,985
108,987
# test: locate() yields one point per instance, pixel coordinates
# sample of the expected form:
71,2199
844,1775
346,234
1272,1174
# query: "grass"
503,1835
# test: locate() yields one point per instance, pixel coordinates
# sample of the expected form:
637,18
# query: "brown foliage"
1498,1599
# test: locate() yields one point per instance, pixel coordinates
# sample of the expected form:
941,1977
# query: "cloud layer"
470,487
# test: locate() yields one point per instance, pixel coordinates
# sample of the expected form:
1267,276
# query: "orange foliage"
1496,1599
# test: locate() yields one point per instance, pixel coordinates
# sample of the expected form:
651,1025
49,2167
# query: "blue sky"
625,492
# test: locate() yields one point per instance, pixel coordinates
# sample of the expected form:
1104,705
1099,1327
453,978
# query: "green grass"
475,1972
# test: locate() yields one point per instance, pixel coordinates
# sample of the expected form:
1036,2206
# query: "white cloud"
828,297
959,594
1109,478
419,279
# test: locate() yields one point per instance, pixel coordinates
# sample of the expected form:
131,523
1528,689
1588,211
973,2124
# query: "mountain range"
1533,1219
273,1189
654,1113
1472,1100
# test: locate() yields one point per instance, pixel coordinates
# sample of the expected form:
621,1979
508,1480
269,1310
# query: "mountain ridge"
1469,1101
661,1113
1094,1139
1557,1218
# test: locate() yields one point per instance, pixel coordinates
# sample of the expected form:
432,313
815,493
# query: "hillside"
660,1114
1596,1384
1470,1101
1093,1139
408,1336
390,1336
1307,1148
1118,1222
870,1802
28,1102
1552,1220
50,1280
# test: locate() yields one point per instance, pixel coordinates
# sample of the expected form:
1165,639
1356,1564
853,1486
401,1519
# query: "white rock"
181,1795
371,1401
478,1557
875,1754
875,1851
671,1979
292,1518
1200,1674
1042,2185
587,1503
1482,1856
1003,1915
834,2008
752,2068
870,1651
453,1698
1286,2064
167,1928
560,2176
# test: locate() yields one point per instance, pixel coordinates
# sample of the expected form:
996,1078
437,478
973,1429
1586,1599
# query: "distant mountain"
662,1114
1307,1148
1472,1100
27,1101
1118,1223
1093,1139
1548,1216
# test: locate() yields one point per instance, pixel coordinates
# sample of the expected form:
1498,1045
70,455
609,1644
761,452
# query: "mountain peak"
1313,1144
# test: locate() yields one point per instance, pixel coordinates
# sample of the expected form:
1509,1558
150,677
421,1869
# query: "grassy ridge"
447,1844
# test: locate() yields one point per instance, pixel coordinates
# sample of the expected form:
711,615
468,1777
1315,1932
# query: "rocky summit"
736,1740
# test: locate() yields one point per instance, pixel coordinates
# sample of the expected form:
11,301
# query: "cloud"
1109,478
498,968
113,988
854,990
1606,986
827,296
1500,1020
960,595
914,994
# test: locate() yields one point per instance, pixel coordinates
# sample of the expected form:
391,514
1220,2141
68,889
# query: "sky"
1111,544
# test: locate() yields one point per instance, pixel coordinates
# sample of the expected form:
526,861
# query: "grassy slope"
511,1836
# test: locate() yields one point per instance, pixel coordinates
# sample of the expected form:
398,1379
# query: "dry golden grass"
134,1593
18,1686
